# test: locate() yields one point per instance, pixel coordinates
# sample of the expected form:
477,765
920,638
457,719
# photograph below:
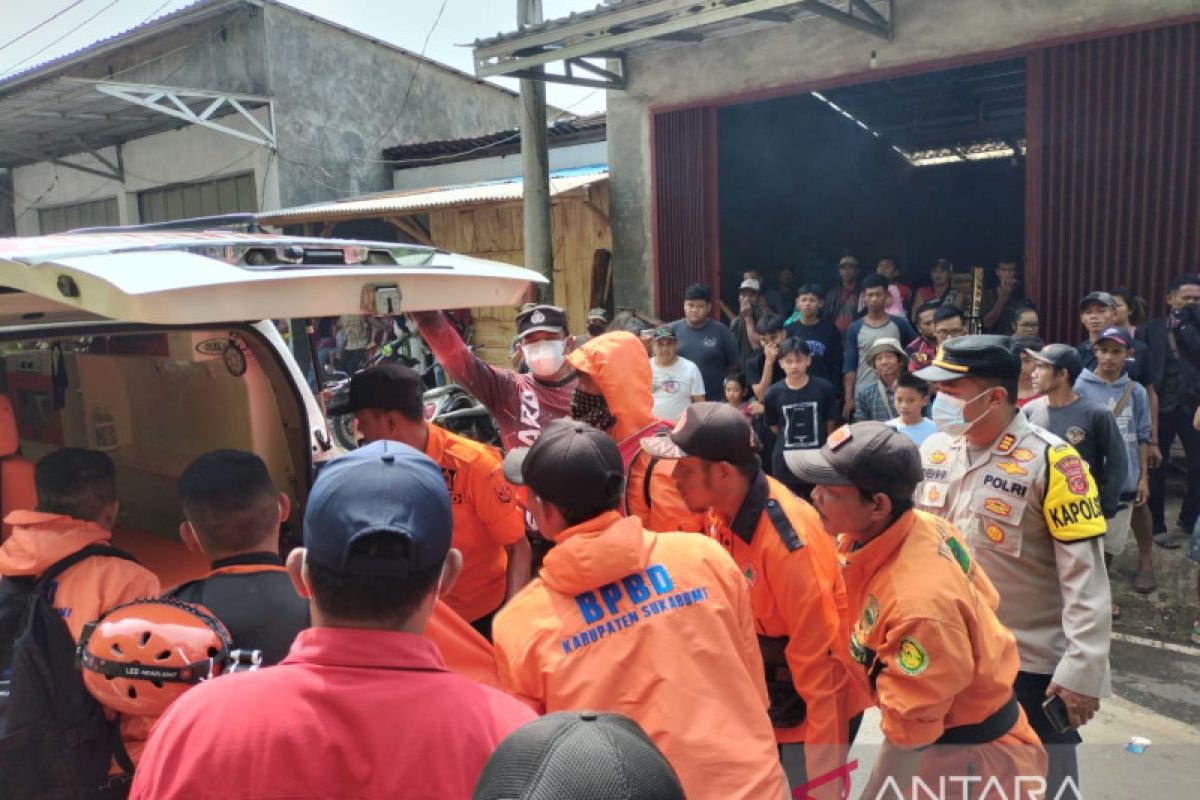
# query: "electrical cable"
41,24
38,52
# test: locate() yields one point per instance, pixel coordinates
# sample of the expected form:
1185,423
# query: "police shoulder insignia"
1072,469
1023,454
1006,442
960,554
912,658
937,457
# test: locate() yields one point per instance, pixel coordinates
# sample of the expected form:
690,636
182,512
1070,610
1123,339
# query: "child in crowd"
801,410
735,395
910,397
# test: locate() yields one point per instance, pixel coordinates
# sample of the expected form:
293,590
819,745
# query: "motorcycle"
455,409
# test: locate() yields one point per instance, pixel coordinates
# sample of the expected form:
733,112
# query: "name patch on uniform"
1004,485
649,593
912,658
935,474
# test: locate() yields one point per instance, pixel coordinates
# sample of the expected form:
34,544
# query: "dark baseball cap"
978,356
551,319
570,464
1116,334
711,431
382,488
582,755
1103,298
1060,356
871,455
664,332
387,387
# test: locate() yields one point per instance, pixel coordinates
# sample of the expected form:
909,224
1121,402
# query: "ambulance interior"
153,401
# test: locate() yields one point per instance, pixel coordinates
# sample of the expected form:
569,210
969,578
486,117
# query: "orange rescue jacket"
486,520
656,626
927,645
617,362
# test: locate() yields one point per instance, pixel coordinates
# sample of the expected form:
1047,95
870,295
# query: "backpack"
630,447
55,741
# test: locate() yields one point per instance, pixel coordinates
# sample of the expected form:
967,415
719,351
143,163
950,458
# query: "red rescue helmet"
140,656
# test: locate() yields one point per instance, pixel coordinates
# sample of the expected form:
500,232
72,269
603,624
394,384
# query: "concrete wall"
496,167
8,225
816,51
340,101
187,155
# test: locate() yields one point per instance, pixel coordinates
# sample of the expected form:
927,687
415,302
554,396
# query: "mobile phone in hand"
1056,711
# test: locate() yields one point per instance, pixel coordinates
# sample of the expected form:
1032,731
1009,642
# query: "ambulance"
158,345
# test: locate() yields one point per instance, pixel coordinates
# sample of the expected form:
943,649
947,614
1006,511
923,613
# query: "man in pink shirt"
363,706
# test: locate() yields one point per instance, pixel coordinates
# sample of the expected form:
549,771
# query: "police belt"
996,725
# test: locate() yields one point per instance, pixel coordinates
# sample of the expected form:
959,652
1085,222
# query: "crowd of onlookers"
799,360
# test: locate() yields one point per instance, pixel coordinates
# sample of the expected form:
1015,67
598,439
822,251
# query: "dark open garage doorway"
914,169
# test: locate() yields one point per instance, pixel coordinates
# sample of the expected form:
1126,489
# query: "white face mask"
947,413
545,357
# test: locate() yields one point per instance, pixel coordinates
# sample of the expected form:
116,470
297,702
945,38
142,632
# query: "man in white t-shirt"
677,381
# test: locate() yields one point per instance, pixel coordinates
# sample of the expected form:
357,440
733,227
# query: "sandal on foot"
1144,582
1167,540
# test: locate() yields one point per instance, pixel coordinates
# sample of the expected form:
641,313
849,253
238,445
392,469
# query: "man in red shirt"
363,705
522,403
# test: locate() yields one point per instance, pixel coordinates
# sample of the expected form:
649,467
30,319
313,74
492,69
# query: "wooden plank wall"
494,231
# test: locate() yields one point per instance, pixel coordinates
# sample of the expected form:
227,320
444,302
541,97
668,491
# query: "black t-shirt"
712,349
753,368
802,416
825,341
259,607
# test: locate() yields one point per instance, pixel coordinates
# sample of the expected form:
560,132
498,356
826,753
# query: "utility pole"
535,162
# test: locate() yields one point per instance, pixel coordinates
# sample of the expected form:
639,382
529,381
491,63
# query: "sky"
402,22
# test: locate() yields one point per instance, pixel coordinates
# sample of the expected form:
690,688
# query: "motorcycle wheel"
343,431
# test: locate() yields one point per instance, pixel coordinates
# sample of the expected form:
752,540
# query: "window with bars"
90,214
183,201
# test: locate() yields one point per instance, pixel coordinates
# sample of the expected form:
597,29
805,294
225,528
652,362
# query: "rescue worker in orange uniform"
614,395
76,508
791,568
655,626
925,639
488,527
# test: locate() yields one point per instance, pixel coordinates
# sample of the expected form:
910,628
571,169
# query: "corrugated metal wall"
685,224
1113,181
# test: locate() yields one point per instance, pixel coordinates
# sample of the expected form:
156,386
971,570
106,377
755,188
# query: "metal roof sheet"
589,128
403,203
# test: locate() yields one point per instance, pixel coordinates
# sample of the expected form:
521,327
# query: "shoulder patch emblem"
998,506
995,533
1071,468
937,457
858,650
1012,467
870,612
1075,434
1023,454
750,574
1006,442
912,658
960,554
839,437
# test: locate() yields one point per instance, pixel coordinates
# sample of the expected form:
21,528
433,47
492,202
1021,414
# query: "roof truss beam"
594,76
178,102
106,169
606,31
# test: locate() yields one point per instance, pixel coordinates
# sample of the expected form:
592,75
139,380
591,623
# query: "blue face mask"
947,413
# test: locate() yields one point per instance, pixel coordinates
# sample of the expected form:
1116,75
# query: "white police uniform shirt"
1028,508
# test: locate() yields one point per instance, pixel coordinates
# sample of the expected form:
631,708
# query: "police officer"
925,641
796,591
1027,505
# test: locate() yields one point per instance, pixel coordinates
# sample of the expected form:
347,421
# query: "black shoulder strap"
57,568
783,525
646,480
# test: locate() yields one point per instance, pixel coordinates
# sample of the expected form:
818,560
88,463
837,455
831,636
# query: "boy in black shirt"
801,410
823,338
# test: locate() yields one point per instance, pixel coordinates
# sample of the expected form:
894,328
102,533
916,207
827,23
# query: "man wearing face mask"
1028,507
614,395
522,403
